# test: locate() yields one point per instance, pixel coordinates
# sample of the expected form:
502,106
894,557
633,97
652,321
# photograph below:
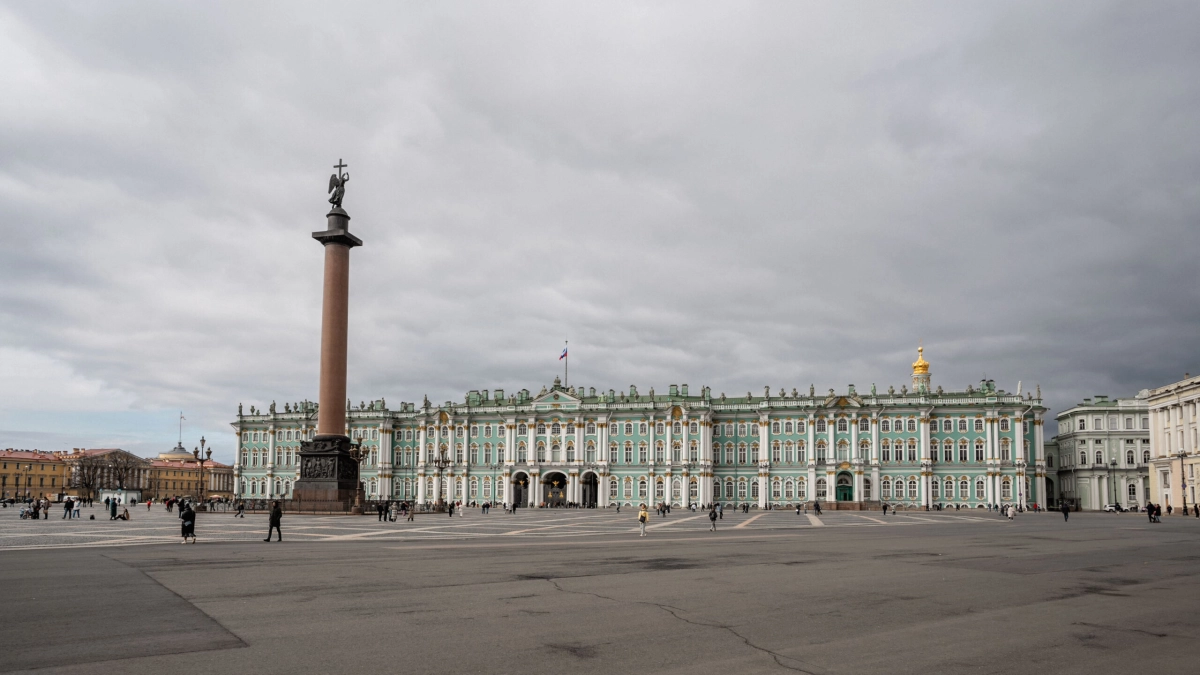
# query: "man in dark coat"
1066,511
274,521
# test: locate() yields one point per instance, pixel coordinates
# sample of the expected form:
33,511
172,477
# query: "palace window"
787,427
801,453
912,450
885,425
693,428
935,488
822,491
978,424
677,428
1005,424
886,488
842,425
643,428
754,490
947,426
643,453
676,451
821,448
694,451
1005,449
629,488
612,489
590,452
980,491
1005,489
693,490
978,451
541,429
612,431
962,426
522,430
864,448
776,453
741,489
843,450
642,488
1145,457
570,430
801,427
864,424
629,452
741,453
590,429
912,489
912,425
555,429
1131,492
775,427
659,430
1099,457
885,450
522,453
741,429
867,488
789,489
948,451
949,489
821,426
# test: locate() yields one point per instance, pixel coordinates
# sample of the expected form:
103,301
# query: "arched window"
474,488
555,429
864,424
978,425
912,489
741,486
643,453
1099,457
694,451
642,489
912,450
590,428
754,454
801,489
774,427
787,427
843,450
885,425
979,450
612,452
789,489
1131,492
541,429
591,451
864,448
1145,457
980,491
693,428
522,430
676,491
629,452
1005,424
776,452
677,428
659,430
754,490
570,452
729,488
1129,457
541,452
676,451
628,429
886,488
741,453
629,487
658,489
801,453
693,490
612,489
822,489
949,489
776,489
821,428
658,452
1006,489
522,453
885,450
821,448
1005,449
935,488
842,427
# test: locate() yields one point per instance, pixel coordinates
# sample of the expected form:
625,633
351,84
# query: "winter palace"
850,450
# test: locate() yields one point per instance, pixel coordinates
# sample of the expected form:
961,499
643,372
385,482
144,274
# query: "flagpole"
566,365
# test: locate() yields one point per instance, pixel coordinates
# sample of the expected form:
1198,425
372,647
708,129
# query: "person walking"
188,518
75,507
643,516
412,512
720,512
112,509
380,508
67,509
273,522
450,508
241,510
1066,511
1012,511
712,519
885,509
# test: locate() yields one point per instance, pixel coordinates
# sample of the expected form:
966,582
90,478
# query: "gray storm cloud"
722,194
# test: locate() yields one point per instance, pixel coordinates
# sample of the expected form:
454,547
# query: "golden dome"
920,366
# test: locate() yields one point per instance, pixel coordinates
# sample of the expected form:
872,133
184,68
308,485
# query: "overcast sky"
726,194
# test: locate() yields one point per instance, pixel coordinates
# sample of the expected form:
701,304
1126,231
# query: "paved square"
579,591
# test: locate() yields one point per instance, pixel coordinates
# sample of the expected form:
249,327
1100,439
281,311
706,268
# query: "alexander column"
328,472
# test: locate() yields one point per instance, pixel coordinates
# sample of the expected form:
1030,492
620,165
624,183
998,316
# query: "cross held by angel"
337,184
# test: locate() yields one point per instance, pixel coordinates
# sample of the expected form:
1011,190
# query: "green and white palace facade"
853,450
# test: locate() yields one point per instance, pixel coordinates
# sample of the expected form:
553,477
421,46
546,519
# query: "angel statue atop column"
337,185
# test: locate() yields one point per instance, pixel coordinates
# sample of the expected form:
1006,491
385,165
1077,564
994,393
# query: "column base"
328,475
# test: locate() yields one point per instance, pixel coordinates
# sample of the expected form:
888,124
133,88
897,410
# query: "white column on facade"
602,447
271,461
385,462
437,487
831,451
650,455
857,458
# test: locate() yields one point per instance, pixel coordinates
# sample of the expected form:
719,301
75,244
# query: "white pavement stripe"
674,522
873,520
747,522
815,521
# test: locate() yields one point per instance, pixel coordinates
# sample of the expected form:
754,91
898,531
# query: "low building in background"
1174,444
1101,454
94,472
32,474
178,474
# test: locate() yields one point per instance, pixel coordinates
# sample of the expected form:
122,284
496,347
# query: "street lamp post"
1183,483
687,481
1112,472
202,455
440,463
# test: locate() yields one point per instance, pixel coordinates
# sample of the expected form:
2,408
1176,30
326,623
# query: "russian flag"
563,355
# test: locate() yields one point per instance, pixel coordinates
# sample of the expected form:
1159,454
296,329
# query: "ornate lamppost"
440,464
202,455
1183,482
1112,472
357,453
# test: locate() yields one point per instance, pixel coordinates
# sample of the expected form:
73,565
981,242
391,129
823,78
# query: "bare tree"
86,473
123,468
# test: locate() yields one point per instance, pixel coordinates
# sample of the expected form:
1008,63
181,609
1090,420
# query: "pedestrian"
643,516
241,509
75,507
1169,509
379,508
450,508
1066,511
797,509
712,519
188,518
112,509
1012,511
720,512
618,507
67,509
274,521
148,502
885,509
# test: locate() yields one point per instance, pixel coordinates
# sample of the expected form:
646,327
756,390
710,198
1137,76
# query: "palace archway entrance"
520,488
554,489
845,488
589,489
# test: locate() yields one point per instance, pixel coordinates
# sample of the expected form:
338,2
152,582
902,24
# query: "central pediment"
556,399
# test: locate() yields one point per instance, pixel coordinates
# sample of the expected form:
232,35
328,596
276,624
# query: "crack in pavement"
674,611
1124,630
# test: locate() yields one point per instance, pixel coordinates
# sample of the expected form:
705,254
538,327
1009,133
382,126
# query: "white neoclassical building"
1101,453
852,449
1174,445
